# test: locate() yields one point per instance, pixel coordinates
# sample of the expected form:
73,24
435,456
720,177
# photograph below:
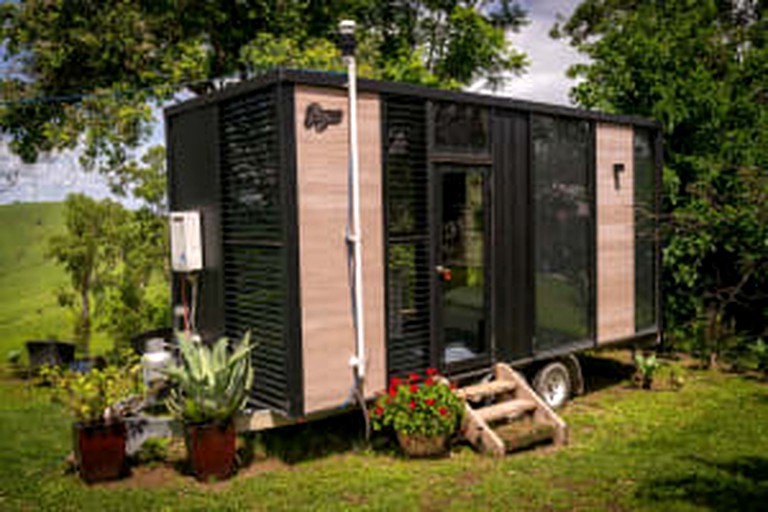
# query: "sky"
56,175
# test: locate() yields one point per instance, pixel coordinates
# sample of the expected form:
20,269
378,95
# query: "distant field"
28,281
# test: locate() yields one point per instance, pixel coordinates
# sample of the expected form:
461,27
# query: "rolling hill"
28,280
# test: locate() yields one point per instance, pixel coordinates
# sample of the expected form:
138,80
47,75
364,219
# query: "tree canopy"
701,68
105,63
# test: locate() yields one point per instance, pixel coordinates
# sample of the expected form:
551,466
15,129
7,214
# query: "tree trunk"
84,329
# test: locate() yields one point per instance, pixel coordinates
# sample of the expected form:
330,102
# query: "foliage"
212,382
99,395
699,67
646,367
110,62
760,351
114,257
426,406
13,357
86,254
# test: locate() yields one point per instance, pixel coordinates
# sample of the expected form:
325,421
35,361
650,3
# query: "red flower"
431,372
413,405
430,401
414,377
443,411
392,391
394,381
379,411
414,388
430,381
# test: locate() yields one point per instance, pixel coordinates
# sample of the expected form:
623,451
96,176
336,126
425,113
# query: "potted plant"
211,386
646,367
99,400
422,410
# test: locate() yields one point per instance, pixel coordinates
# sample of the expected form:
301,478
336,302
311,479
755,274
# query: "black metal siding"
511,248
193,181
254,240
406,196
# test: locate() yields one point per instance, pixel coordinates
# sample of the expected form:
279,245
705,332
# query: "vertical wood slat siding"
321,175
615,234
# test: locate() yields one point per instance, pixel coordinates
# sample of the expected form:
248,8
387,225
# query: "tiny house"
493,230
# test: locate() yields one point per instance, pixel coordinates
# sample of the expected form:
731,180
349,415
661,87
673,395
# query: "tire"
553,384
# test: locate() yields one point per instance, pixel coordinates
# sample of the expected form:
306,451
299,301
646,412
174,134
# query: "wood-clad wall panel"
615,234
321,173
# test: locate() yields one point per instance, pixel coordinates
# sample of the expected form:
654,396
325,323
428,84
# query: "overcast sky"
52,178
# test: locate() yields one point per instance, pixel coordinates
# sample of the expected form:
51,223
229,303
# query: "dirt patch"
169,475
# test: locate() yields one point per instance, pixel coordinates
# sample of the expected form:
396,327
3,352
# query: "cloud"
50,179
545,78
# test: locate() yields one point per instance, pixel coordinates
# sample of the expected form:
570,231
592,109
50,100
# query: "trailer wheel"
553,383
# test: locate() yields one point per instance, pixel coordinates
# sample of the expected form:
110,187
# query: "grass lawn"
702,448
28,280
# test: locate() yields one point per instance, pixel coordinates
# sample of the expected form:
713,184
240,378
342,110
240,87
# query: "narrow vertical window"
645,230
563,230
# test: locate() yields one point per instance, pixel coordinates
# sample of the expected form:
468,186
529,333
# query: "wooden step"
520,435
479,391
505,410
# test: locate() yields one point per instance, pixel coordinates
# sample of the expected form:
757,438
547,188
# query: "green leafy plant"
646,368
760,352
99,395
13,357
211,382
418,406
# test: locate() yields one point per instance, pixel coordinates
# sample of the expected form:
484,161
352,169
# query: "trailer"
493,231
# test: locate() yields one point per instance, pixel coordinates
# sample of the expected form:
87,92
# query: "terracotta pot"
419,445
211,449
100,450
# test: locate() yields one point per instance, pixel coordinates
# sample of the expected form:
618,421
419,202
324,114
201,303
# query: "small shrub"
646,368
154,450
98,395
418,406
760,352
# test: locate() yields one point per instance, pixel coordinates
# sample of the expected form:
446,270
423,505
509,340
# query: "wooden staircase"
505,415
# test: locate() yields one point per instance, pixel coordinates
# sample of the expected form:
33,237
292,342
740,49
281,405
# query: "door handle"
444,273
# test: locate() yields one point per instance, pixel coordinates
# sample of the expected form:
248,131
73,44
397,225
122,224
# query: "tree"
105,63
135,295
85,254
701,68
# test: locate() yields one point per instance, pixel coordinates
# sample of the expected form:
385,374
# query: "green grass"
28,280
702,448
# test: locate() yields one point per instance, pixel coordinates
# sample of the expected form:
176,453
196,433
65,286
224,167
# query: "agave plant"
211,382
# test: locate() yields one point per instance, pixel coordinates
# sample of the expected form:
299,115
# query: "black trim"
659,156
294,353
434,204
512,271
339,80
592,256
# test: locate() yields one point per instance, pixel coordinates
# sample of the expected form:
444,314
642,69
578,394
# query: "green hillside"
28,281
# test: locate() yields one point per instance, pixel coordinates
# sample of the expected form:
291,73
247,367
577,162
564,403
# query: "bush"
424,406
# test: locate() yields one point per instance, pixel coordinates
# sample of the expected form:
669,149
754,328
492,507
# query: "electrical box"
186,246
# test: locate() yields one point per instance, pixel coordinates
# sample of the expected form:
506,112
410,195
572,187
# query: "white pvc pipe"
354,234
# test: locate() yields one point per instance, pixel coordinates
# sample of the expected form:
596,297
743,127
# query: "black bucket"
49,353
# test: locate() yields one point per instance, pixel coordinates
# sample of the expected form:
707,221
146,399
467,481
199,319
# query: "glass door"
461,257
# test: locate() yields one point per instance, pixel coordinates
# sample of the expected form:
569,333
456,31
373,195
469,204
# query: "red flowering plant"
419,405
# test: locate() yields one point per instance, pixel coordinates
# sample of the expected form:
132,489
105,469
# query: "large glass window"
645,231
563,230
460,128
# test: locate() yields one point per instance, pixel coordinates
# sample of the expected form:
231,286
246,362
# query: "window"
645,231
563,230
460,128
